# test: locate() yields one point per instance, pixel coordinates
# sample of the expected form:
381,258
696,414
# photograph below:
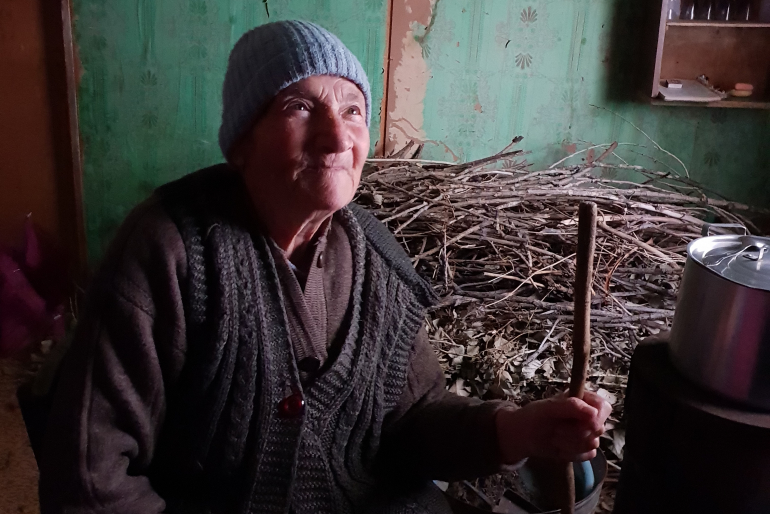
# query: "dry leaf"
548,367
458,388
618,442
529,370
608,396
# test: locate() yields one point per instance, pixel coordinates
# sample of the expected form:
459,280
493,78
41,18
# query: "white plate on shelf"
691,91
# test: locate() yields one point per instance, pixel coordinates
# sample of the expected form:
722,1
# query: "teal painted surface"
149,97
501,68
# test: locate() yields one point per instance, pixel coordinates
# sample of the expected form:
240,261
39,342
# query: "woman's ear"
237,157
238,154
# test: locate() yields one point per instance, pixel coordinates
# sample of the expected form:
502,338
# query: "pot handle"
706,230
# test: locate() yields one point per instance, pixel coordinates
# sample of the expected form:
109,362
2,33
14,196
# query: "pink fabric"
28,312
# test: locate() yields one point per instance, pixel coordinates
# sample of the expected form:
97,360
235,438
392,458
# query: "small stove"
687,449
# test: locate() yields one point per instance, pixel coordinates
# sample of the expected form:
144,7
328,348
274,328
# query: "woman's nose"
332,135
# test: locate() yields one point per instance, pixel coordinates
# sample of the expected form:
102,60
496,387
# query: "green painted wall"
500,68
152,73
151,83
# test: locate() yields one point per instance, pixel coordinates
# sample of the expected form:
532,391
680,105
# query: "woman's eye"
299,107
355,111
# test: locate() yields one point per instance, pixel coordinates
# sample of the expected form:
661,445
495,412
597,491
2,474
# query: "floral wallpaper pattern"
545,69
152,71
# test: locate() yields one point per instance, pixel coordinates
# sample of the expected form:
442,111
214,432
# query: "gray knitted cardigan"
224,447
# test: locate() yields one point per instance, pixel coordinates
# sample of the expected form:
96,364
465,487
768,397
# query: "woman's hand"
560,428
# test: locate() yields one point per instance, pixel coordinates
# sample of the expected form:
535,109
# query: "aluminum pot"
720,338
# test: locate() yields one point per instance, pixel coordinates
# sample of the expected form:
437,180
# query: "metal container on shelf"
687,10
674,9
720,337
721,10
764,11
703,9
742,10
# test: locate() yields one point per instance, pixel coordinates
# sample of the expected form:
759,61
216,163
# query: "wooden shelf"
730,24
727,52
728,103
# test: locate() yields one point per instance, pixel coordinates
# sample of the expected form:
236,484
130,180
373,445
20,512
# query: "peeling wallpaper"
152,72
558,72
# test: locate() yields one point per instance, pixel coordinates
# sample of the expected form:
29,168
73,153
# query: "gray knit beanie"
271,57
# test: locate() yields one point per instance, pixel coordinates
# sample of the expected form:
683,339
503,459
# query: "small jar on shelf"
674,9
764,11
721,10
687,10
742,10
703,9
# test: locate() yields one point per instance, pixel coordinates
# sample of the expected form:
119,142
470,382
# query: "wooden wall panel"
36,174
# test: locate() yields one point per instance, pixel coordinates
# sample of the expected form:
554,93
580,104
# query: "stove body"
687,449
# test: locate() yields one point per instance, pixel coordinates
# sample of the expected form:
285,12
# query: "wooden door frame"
74,160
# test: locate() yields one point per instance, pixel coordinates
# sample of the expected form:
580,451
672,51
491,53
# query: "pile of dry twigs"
498,242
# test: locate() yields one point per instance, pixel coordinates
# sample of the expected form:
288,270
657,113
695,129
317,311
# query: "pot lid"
744,260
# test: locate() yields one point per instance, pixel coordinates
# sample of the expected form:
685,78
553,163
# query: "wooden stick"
581,339
608,151
581,335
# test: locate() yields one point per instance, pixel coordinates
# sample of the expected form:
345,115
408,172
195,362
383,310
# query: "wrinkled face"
307,151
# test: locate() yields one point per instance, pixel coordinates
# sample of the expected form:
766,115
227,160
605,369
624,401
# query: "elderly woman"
253,341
